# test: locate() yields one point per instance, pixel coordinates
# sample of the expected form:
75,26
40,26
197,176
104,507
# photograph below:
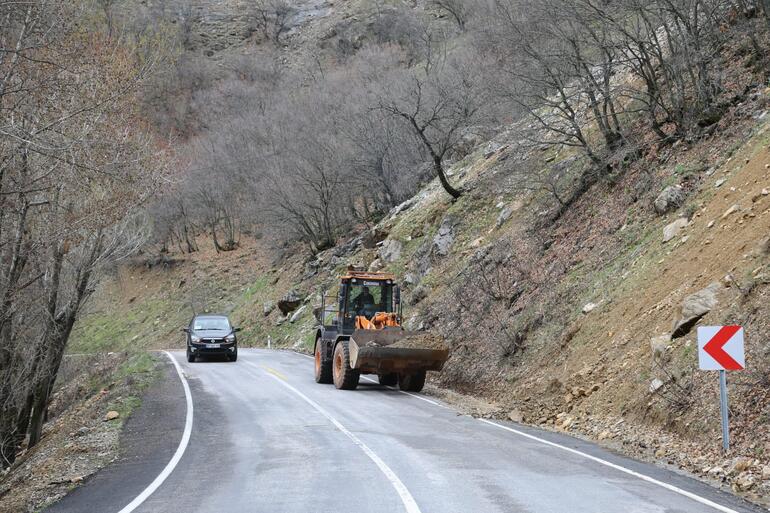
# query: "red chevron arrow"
714,348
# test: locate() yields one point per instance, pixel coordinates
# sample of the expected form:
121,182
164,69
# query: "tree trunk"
439,167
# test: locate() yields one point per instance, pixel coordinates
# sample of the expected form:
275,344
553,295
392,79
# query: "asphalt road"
265,437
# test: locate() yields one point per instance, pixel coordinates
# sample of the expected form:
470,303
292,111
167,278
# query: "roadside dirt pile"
422,341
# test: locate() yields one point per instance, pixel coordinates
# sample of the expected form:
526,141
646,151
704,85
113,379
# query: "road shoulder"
149,439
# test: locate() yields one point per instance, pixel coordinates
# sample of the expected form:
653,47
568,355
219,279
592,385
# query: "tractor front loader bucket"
371,351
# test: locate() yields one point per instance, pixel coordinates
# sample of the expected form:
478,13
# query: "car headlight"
193,338
230,338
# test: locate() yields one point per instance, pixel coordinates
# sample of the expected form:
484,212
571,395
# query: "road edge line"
643,477
403,492
171,465
639,475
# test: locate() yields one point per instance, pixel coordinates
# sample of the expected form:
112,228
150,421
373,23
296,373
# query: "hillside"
589,370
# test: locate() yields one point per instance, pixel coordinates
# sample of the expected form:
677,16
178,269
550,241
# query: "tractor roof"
363,275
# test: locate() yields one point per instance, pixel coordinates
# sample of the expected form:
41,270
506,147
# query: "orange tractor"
361,333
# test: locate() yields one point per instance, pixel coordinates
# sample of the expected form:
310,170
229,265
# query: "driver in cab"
364,299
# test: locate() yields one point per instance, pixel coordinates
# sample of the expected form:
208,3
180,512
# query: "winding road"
259,435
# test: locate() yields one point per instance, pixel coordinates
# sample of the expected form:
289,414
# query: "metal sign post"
721,348
723,409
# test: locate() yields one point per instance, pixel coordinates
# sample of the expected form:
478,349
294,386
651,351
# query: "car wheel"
190,356
233,357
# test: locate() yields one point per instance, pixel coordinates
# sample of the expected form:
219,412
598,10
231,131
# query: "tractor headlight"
230,338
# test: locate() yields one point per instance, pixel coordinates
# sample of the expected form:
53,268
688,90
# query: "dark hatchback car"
211,335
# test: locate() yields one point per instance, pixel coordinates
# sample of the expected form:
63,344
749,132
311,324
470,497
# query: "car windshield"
211,323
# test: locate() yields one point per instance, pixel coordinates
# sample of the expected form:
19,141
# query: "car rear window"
211,323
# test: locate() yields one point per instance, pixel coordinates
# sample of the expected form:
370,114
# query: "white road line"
625,470
179,450
403,492
421,398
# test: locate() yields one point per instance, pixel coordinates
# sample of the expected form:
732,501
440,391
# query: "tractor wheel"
345,378
323,370
411,382
388,380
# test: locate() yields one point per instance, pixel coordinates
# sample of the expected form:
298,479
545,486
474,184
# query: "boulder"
669,199
268,307
516,416
589,307
289,302
655,385
672,229
111,415
296,315
505,214
694,307
375,266
390,250
443,240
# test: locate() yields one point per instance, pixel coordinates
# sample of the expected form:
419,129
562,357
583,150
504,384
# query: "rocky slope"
599,295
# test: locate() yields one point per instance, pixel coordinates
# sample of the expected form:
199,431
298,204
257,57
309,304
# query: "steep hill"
584,299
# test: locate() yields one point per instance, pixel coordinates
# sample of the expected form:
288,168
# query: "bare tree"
459,10
77,161
271,18
437,101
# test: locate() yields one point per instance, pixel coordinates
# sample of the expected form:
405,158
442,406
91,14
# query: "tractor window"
329,313
368,298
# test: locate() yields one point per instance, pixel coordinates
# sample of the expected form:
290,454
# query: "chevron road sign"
720,348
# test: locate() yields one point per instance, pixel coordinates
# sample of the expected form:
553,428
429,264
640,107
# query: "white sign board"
721,348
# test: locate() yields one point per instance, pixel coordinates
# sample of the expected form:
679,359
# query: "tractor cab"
364,297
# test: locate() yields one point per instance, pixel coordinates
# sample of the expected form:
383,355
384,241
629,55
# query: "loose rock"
669,199
733,209
390,251
289,302
672,229
696,306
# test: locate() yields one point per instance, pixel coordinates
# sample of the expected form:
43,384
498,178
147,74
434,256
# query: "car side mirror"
236,330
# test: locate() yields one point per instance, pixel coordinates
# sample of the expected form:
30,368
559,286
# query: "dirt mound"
422,341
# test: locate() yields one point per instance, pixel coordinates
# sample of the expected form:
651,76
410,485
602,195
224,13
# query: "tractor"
360,332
